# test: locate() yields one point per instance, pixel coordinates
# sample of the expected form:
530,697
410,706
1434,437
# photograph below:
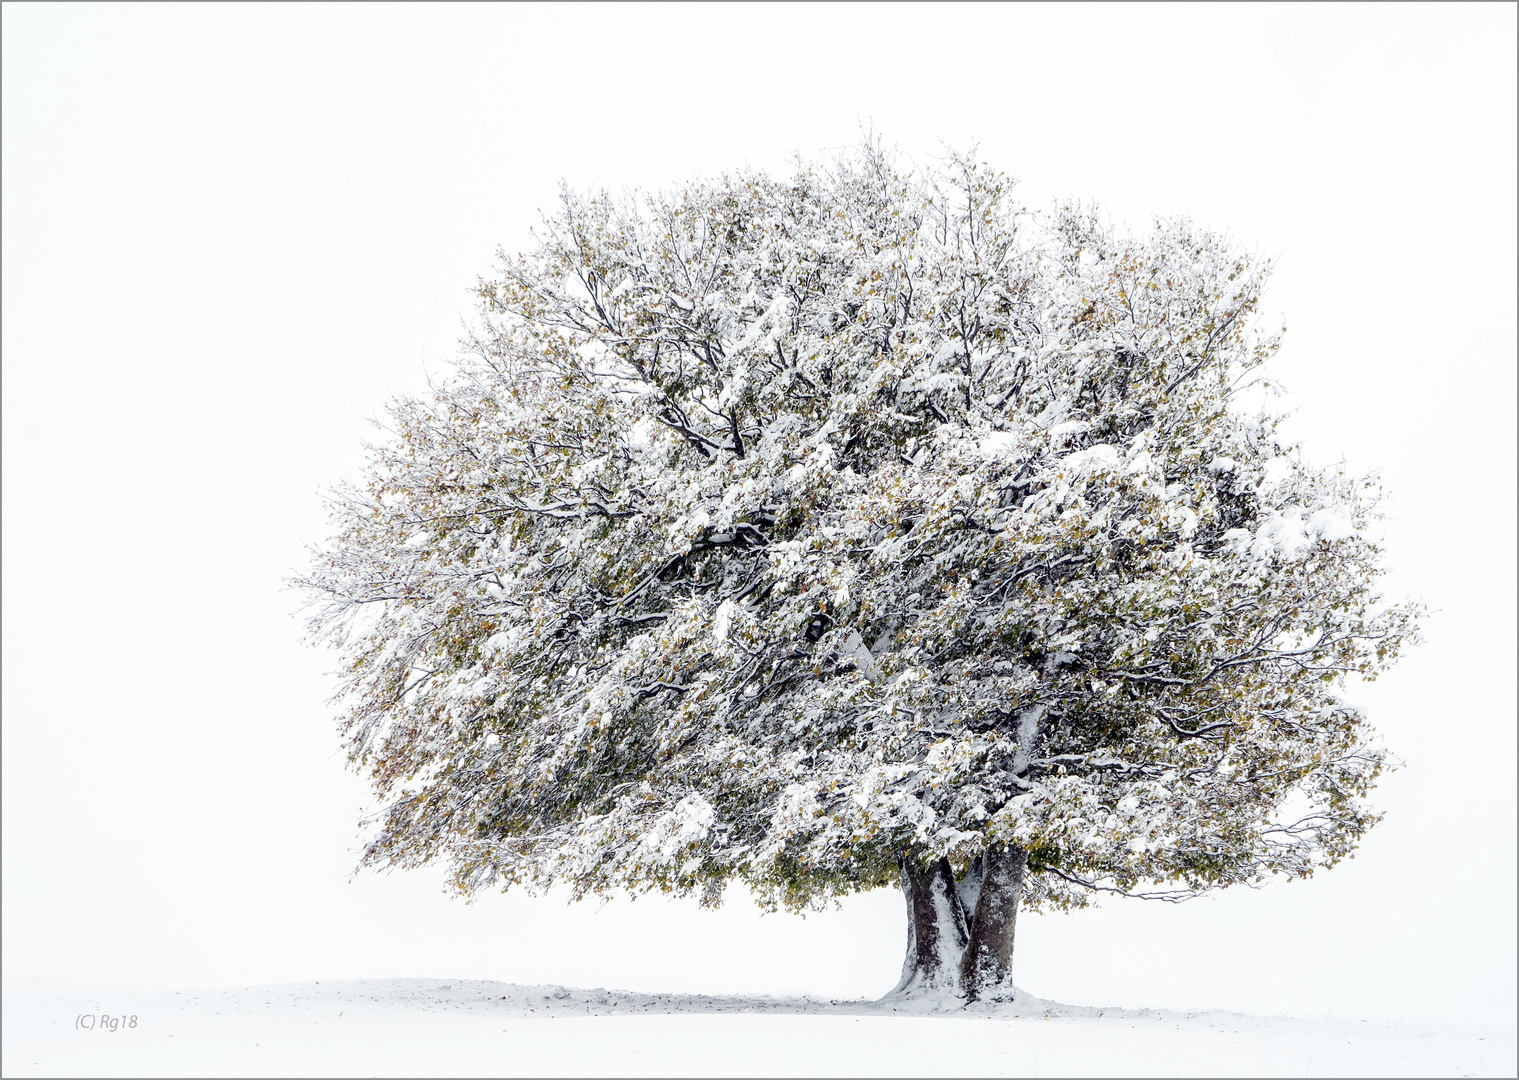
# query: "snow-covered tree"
854,529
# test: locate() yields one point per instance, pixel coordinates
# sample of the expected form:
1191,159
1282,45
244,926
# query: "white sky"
231,233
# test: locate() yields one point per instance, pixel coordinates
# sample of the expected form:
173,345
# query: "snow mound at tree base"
465,1027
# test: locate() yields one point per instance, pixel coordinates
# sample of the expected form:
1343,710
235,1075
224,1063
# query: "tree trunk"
969,889
987,963
936,929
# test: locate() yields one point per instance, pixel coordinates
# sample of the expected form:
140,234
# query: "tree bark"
936,929
987,962
969,888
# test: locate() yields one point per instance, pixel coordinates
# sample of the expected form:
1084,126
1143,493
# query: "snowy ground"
427,1027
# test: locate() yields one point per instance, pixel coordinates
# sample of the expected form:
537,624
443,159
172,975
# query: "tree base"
956,953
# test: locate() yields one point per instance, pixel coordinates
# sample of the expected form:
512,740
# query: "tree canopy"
783,530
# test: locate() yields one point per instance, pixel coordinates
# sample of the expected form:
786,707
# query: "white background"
231,233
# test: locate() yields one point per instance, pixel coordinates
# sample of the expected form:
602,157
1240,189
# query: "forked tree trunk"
960,934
